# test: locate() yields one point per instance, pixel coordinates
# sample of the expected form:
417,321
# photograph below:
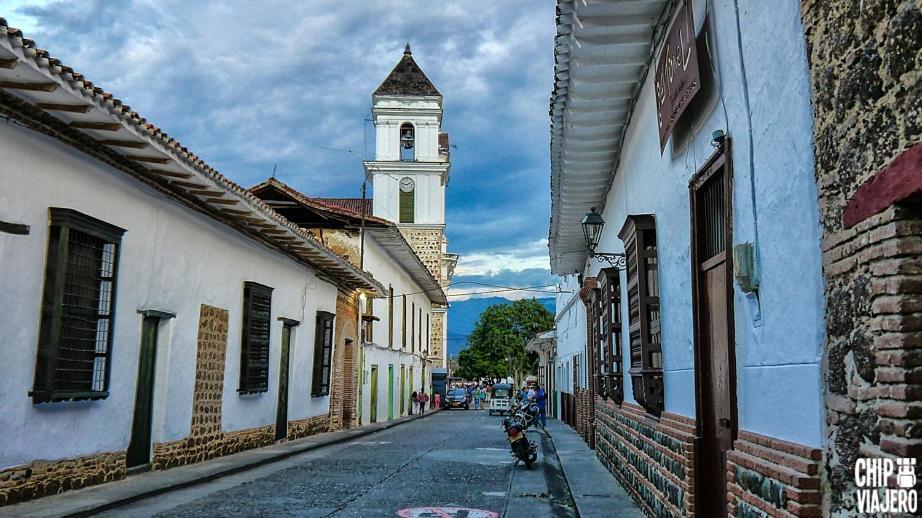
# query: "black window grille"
254,350
323,354
608,307
78,308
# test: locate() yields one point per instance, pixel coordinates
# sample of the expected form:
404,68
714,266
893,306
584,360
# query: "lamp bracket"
617,261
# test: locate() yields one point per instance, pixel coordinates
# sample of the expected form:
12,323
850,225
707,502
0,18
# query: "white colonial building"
155,313
396,329
681,143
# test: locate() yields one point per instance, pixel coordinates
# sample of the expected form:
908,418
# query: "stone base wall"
652,459
770,477
866,68
307,427
197,449
45,478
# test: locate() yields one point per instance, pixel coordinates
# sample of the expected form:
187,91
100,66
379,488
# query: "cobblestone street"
452,459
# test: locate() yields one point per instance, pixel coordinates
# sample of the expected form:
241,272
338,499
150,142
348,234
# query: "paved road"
454,459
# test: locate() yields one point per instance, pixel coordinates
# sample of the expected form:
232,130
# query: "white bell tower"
409,175
411,164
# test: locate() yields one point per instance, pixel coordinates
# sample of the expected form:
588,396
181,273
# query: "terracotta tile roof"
56,99
351,204
407,79
383,231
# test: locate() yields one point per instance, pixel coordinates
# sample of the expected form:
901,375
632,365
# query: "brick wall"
774,477
866,69
344,378
653,459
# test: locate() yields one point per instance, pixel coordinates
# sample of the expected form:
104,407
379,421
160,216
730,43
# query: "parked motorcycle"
522,449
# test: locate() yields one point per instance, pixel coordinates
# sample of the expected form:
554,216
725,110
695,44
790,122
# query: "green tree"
496,346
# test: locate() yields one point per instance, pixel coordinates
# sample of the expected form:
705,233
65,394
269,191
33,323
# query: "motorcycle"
522,449
527,410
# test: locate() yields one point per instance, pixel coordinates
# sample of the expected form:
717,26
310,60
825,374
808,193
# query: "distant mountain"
464,314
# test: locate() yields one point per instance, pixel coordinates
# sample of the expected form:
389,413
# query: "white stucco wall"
570,322
390,272
173,259
429,205
778,354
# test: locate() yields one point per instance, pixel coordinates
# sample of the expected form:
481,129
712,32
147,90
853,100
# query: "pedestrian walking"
423,399
541,402
437,401
476,394
413,397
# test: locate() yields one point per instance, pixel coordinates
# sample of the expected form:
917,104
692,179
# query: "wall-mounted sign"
676,79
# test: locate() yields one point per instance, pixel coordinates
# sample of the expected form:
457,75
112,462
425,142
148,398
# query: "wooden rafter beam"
96,125
172,174
151,159
123,143
31,86
206,193
72,108
188,185
9,62
235,212
222,201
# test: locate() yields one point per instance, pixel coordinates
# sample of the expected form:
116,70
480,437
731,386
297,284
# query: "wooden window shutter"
323,354
254,351
407,206
639,237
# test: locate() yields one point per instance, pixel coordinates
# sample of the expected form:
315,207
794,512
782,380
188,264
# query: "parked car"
458,398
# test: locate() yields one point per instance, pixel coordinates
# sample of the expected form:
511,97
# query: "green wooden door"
390,391
373,411
403,388
139,448
281,414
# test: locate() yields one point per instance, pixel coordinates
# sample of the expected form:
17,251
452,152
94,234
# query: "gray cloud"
247,85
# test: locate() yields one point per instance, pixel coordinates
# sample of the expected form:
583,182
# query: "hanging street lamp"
592,224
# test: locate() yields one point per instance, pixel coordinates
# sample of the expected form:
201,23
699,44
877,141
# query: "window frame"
643,278
63,221
247,383
324,331
610,366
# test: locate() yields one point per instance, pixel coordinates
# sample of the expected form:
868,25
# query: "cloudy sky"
247,85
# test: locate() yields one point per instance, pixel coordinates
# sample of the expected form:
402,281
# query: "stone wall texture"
436,344
44,478
771,477
427,243
653,459
866,72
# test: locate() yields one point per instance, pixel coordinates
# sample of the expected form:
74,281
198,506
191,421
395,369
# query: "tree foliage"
496,346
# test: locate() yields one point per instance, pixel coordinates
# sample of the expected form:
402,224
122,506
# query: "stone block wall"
44,478
866,73
436,345
653,459
771,477
427,243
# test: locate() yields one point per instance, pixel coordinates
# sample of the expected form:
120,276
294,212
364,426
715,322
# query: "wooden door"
403,388
390,391
281,414
715,358
373,411
139,447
